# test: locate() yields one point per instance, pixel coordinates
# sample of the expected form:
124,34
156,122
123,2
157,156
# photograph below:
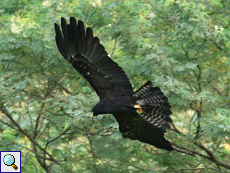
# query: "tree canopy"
181,46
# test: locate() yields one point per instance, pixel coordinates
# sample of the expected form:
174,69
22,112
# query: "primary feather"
142,115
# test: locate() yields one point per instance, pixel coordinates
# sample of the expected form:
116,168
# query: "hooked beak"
92,115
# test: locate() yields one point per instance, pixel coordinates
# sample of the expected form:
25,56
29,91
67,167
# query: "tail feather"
143,91
156,108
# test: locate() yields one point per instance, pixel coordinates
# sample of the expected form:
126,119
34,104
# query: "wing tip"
63,19
149,83
169,148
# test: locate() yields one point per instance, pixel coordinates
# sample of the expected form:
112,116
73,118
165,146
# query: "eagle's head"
104,106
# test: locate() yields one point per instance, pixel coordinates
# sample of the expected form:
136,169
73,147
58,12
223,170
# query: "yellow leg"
139,109
137,106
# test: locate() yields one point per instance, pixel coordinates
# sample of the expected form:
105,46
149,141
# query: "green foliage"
182,46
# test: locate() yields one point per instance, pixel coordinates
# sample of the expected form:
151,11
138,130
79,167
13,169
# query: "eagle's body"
143,114
113,105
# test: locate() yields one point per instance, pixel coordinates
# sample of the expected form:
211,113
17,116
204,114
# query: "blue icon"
9,160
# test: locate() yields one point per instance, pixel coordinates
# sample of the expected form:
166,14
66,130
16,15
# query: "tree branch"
210,155
18,128
114,47
91,150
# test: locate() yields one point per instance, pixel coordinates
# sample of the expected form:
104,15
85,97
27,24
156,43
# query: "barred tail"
155,106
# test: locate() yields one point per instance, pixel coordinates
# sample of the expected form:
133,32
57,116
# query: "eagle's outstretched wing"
90,59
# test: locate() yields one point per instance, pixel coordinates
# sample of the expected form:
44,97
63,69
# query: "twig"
114,47
91,150
18,128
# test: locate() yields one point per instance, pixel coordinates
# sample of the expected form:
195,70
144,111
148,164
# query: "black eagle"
143,114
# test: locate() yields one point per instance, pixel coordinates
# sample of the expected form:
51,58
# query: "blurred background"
45,105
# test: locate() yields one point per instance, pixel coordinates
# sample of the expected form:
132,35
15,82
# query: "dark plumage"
142,115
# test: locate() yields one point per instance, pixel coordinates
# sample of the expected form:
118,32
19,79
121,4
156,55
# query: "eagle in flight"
142,115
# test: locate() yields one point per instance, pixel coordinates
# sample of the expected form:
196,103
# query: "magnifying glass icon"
9,160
